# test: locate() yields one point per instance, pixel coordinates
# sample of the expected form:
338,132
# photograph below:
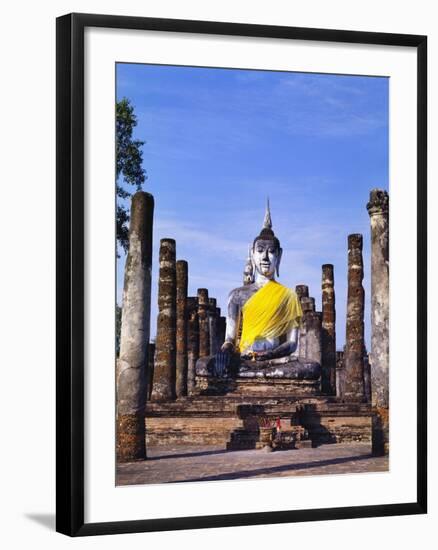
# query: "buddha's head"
266,250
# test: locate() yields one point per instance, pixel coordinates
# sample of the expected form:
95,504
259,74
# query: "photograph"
252,274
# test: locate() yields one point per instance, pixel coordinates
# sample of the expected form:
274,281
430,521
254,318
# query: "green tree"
129,169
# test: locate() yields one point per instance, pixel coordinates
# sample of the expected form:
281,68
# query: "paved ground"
195,463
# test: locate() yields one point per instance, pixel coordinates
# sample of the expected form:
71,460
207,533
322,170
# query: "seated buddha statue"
263,320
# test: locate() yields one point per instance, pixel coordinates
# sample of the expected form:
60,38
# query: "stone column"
218,329
212,325
378,209
302,291
313,336
181,328
192,342
340,374
165,345
328,331
204,329
307,304
135,329
354,389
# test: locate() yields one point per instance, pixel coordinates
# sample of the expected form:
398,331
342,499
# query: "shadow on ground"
277,469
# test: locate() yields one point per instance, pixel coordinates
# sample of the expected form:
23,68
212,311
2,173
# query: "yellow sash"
272,311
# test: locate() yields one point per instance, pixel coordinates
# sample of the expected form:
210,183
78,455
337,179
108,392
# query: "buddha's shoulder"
286,291
240,294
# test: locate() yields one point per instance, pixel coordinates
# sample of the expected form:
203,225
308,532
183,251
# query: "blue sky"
219,141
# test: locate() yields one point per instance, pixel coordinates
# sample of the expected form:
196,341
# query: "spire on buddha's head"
267,233
267,222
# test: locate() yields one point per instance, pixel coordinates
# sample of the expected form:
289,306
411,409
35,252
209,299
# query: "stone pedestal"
165,354
378,209
328,331
181,328
354,389
135,329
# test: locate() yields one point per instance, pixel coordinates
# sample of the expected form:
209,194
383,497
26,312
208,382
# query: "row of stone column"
366,377
166,369
187,328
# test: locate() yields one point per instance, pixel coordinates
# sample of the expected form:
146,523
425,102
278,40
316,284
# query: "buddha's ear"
280,252
253,262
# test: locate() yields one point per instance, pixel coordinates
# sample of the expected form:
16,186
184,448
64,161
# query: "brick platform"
211,420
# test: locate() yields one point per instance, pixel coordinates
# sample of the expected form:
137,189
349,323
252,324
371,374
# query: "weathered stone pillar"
212,325
218,329
313,336
181,328
378,209
307,304
354,389
192,342
328,331
135,329
204,329
165,345
302,291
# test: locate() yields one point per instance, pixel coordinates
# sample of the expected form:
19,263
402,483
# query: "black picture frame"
70,273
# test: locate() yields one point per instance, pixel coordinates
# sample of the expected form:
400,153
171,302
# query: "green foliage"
129,170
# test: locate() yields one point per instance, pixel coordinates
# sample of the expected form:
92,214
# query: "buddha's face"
266,257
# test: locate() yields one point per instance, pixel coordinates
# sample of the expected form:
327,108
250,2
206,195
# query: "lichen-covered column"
181,328
328,331
204,328
378,209
165,345
134,337
354,389
192,342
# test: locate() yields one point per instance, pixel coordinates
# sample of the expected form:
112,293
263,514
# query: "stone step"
213,406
